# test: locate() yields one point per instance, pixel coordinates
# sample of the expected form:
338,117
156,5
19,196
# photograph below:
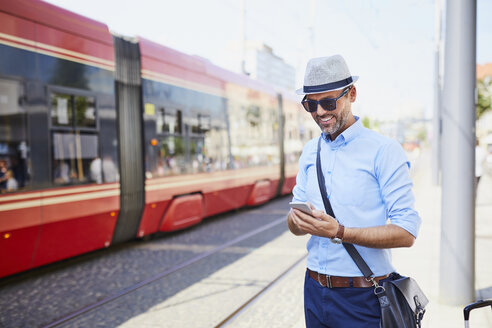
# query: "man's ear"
353,93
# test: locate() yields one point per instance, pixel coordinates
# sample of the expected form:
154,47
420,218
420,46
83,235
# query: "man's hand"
320,224
292,223
324,225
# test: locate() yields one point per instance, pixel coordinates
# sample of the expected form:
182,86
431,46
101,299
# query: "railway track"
165,273
250,302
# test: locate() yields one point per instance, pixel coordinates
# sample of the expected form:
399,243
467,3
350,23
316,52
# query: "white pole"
436,118
457,260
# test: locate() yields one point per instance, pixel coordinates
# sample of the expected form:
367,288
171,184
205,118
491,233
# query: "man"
369,187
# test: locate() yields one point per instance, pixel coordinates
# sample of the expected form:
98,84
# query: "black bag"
401,299
402,302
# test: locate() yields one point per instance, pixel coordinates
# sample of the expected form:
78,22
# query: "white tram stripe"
210,180
59,200
62,191
53,51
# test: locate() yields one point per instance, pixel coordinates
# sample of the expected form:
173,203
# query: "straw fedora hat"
326,74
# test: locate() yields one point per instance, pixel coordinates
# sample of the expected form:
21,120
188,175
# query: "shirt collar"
346,136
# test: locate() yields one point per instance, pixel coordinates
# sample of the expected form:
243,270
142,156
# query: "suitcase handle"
476,305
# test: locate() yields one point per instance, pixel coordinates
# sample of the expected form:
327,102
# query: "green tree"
484,103
366,121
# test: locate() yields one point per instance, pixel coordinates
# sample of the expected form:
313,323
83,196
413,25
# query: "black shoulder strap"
354,254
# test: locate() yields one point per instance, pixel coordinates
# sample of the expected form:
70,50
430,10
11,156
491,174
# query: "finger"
296,217
293,217
322,215
307,222
311,206
301,214
318,214
304,216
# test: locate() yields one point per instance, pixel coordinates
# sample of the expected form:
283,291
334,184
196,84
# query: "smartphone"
304,207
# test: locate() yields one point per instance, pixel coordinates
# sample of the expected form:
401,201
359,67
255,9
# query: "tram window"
210,152
75,155
253,115
200,160
254,133
14,150
160,120
64,108
169,122
200,124
194,122
171,159
61,110
204,123
75,158
85,111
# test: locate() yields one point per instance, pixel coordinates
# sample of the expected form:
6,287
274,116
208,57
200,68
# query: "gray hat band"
328,86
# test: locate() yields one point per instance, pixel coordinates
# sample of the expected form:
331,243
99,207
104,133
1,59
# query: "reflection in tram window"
171,159
199,160
61,110
208,150
208,153
200,123
254,130
104,170
14,151
215,152
85,111
73,155
204,123
194,123
169,122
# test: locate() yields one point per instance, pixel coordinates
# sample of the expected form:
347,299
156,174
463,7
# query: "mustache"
326,116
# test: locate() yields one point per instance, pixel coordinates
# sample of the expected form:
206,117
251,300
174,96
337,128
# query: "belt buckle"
328,280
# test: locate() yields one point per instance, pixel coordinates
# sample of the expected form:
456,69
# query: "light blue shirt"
368,183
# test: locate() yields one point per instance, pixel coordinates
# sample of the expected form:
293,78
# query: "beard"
340,121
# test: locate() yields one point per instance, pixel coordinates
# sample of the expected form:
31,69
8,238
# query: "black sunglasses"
325,103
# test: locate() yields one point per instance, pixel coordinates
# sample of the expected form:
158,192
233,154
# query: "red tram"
105,138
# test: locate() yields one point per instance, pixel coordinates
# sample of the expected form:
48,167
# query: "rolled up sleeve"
392,171
299,190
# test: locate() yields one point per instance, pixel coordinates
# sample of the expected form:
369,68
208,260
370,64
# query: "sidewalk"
282,306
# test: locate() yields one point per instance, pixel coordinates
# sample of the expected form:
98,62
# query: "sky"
389,44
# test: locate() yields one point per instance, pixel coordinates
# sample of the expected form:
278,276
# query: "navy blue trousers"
340,307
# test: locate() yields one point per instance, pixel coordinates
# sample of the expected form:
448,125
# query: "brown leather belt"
337,282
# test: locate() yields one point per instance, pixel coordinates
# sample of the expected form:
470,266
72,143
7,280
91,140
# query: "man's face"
336,121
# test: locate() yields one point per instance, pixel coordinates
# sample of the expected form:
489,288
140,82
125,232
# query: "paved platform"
205,303
208,302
